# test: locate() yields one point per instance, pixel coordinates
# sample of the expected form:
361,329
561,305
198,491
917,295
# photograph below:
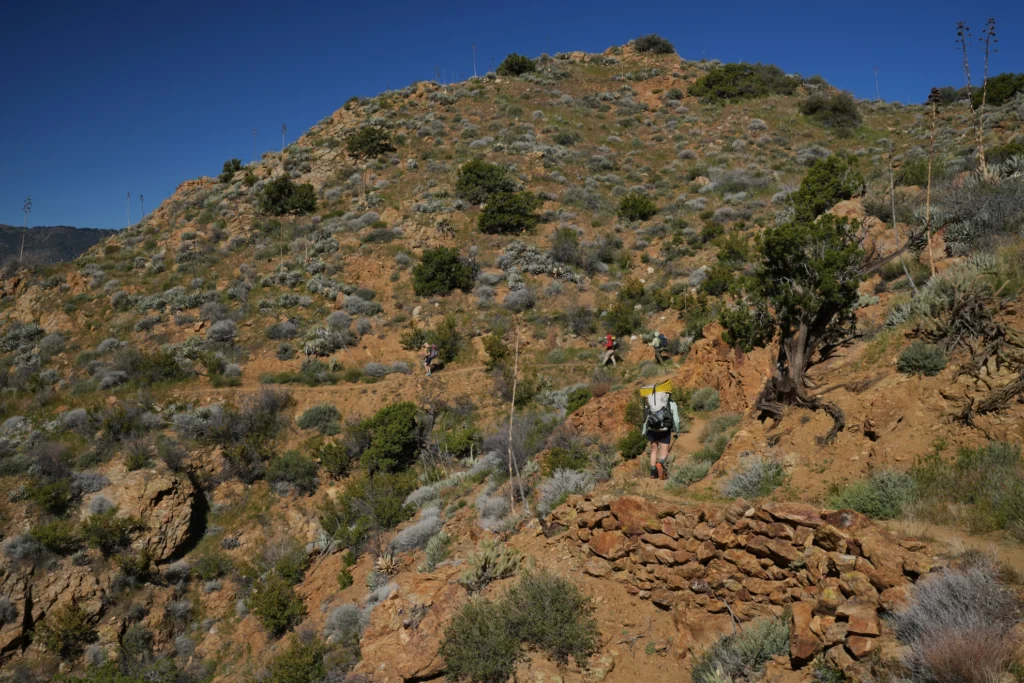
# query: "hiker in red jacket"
611,345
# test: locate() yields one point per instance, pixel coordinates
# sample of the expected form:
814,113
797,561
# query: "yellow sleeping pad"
663,388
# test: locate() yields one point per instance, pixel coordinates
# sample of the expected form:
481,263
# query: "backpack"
660,419
662,341
615,344
432,352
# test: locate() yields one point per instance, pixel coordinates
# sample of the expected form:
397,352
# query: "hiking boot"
654,473
662,472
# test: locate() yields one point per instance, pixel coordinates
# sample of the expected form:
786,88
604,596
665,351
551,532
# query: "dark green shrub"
147,369
301,662
828,182
719,280
1001,89
746,328
577,398
394,438
134,564
837,111
883,495
324,418
565,247
478,180
273,601
566,138
637,207
413,339
110,533
281,196
516,65
914,172
447,338
478,647
549,613
565,458
344,578
498,352
334,458
231,167
508,213
294,468
212,565
653,43
369,142
66,631
999,154
484,641
743,81
632,444
921,358
441,270
59,536
55,496
368,506
623,319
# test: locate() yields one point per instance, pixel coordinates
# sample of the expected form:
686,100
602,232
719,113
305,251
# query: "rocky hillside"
224,461
47,244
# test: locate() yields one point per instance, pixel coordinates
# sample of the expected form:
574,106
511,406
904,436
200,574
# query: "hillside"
225,462
47,244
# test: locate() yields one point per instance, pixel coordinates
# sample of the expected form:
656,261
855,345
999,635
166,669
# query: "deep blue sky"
100,99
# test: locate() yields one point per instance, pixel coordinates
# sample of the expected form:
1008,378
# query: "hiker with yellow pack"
661,420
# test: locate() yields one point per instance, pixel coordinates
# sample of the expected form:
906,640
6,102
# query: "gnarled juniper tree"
807,282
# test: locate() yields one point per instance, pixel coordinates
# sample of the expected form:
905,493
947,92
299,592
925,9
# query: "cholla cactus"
493,560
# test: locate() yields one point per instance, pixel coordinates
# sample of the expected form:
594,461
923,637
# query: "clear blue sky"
105,98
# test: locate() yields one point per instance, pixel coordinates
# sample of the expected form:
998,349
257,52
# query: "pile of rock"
834,570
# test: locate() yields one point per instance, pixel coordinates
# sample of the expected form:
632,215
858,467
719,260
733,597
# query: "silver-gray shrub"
416,535
950,605
344,624
758,478
222,331
553,491
8,611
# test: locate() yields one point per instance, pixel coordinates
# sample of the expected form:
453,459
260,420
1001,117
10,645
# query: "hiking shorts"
664,437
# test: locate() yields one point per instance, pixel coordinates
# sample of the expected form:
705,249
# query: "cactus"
493,560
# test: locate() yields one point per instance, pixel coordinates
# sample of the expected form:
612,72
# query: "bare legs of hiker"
659,453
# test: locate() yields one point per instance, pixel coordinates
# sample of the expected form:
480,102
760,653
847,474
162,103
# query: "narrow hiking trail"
957,540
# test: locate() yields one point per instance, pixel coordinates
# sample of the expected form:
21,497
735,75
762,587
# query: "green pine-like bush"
509,213
730,82
394,438
516,65
369,142
230,168
66,631
545,612
837,111
442,270
632,444
281,196
637,207
654,44
478,180
274,602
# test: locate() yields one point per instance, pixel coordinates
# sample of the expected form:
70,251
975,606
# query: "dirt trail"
959,540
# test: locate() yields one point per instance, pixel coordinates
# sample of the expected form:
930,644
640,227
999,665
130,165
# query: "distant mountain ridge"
48,244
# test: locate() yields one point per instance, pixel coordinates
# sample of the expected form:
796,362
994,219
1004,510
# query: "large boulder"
405,631
163,500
